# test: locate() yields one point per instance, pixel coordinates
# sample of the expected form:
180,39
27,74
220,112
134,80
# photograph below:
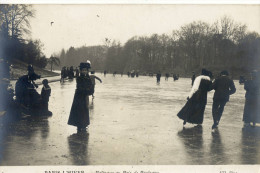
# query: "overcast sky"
77,25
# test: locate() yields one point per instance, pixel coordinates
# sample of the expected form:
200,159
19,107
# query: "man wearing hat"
79,113
223,87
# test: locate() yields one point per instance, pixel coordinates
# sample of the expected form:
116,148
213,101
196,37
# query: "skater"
63,74
193,110
137,73
45,95
158,77
71,73
77,72
192,78
252,103
132,73
93,77
105,72
79,113
175,77
223,87
114,74
167,76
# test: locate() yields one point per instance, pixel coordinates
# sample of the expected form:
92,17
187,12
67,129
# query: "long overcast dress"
193,110
79,113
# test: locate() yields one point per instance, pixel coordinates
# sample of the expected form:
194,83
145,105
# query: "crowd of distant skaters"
29,101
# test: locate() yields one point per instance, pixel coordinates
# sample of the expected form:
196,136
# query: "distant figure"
122,74
45,95
193,110
132,73
158,77
137,73
71,73
241,80
223,87
114,74
105,72
167,76
63,74
252,103
128,74
175,77
77,72
192,78
79,113
67,72
93,77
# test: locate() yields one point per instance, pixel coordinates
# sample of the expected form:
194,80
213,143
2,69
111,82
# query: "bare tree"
15,19
53,61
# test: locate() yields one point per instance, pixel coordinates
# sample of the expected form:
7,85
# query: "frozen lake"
132,122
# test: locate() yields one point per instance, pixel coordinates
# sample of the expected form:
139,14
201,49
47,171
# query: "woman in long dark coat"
79,113
193,110
252,103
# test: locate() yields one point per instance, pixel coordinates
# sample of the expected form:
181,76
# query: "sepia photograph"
123,85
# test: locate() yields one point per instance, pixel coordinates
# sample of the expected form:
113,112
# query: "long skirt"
252,110
79,113
193,110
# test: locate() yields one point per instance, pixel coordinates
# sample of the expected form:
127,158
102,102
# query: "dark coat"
45,94
252,103
77,73
25,92
79,113
223,87
193,110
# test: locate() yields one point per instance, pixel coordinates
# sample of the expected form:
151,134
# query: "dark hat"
224,72
84,65
206,72
45,81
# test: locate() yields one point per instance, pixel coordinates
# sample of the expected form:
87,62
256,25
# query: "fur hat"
85,65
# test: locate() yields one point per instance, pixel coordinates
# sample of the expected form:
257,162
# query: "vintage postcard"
129,87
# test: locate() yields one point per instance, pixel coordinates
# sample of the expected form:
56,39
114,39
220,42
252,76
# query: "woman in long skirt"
252,103
79,113
193,110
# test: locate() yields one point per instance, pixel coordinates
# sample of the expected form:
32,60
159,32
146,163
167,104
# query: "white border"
130,2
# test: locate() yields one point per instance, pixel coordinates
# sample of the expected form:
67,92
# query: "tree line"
225,44
14,26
